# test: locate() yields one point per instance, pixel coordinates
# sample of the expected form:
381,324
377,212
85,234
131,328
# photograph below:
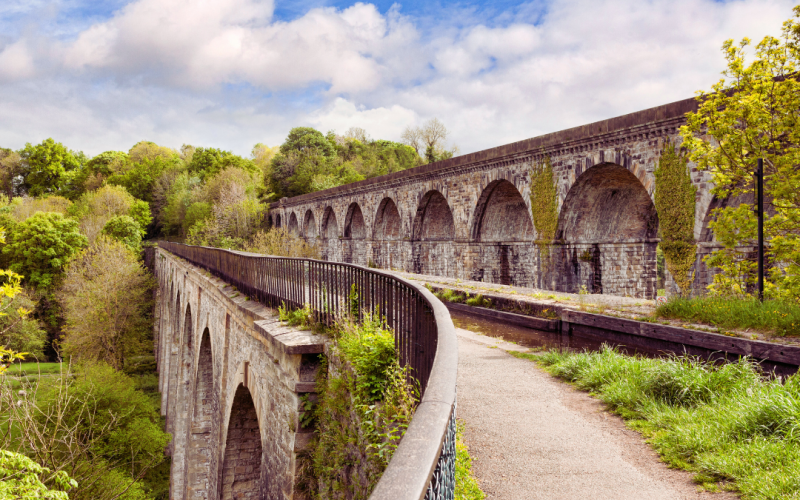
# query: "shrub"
125,230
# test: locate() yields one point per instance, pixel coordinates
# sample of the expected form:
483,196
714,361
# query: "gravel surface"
532,436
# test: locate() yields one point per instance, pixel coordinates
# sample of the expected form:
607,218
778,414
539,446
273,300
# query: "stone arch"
293,226
434,218
241,467
502,215
330,235
607,231
181,422
278,220
199,458
309,225
174,371
388,225
354,226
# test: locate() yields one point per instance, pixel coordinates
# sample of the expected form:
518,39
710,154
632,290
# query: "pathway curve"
532,436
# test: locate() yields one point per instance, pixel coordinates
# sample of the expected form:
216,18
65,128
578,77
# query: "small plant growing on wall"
675,204
544,206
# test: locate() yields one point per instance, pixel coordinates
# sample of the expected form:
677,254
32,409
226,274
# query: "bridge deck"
534,437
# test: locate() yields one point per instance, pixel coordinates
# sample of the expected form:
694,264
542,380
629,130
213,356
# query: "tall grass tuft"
780,317
723,422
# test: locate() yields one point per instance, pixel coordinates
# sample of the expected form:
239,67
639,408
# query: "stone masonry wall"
470,217
231,394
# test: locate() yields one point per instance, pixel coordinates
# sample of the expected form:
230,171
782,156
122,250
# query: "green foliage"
449,295
43,244
753,113
49,167
18,331
467,487
365,406
479,301
544,206
125,230
198,212
23,479
307,140
280,242
779,317
354,304
723,422
675,204
303,317
207,162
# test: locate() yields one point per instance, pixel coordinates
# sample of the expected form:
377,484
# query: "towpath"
532,436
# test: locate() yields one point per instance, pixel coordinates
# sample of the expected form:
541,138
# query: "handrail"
423,465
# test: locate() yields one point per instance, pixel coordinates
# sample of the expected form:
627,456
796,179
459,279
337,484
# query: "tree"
147,150
94,209
752,113
412,136
11,171
48,167
106,295
23,479
430,138
43,245
207,162
125,230
18,331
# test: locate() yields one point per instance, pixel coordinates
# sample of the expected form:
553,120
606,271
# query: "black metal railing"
423,464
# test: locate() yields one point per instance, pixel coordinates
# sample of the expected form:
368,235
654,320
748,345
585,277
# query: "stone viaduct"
231,379
469,217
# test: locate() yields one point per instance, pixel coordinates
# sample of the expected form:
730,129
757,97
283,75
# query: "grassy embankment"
772,317
467,487
726,423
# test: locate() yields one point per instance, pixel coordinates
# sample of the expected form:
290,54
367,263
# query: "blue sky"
104,75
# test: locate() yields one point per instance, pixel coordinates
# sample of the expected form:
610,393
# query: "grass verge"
731,427
772,316
467,487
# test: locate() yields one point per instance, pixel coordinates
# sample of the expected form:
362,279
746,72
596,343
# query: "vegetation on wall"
544,206
364,408
675,203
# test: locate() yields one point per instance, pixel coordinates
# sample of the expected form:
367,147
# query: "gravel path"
532,436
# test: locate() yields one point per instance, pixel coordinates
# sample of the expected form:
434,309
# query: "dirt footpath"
532,436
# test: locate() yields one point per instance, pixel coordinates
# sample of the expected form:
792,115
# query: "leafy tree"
309,141
125,230
94,209
11,171
106,295
43,245
147,150
23,479
140,178
18,330
48,167
429,138
207,162
752,113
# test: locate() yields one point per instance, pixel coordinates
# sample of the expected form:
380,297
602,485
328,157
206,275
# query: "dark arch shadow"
354,226
278,221
241,468
200,456
388,225
174,356
607,233
434,219
329,234
293,226
309,225
182,406
501,214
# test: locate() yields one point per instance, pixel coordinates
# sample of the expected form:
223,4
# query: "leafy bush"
125,230
18,331
280,242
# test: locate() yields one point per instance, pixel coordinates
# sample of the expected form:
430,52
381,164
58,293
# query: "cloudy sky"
231,73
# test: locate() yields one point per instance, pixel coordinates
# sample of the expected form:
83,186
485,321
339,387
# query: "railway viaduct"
469,217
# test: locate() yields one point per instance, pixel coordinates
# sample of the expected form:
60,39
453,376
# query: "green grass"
33,369
773,316
725,423
467,487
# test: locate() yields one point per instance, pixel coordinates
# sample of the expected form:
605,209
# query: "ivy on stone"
544,205
675,203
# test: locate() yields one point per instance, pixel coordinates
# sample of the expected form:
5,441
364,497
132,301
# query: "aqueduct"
469,217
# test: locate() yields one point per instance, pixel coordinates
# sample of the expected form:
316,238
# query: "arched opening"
434,219
241,469
355,230
432,251
309,225
330,235
607,232
502,230
200,453
278,220
354,227
386,234
501,215
182,406
293,226
174,352
387,221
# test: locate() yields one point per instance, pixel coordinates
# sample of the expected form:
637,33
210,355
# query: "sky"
101,76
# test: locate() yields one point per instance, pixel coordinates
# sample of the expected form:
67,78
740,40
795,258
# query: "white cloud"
227,74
